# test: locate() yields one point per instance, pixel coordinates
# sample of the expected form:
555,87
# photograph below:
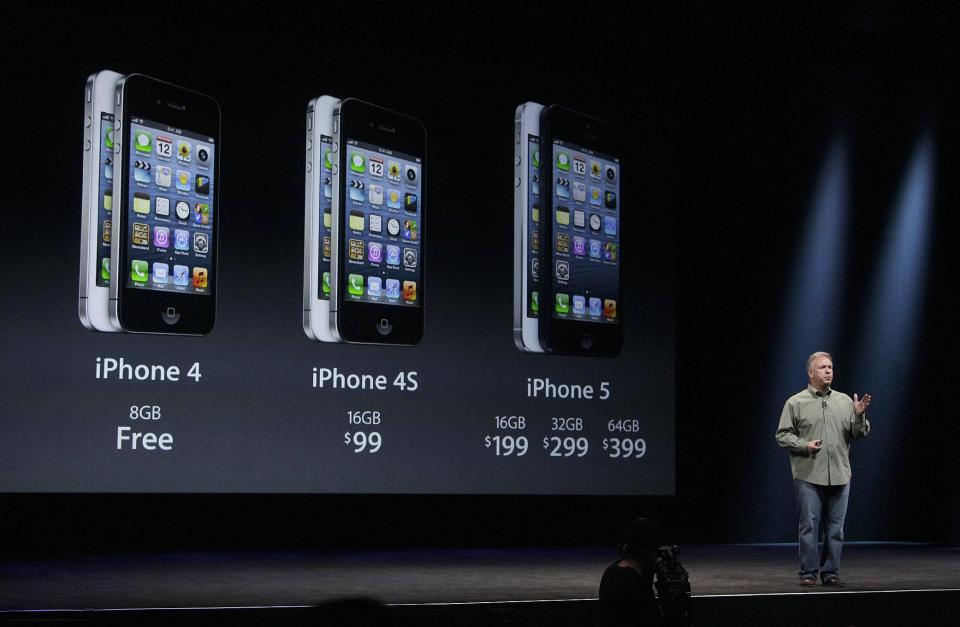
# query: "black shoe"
808,580
833,581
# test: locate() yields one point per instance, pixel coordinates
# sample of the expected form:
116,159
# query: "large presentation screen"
257,406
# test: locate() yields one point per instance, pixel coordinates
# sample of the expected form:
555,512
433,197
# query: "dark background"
734,110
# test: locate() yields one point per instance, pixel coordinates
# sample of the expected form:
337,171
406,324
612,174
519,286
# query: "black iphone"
164,249
377,256
580,234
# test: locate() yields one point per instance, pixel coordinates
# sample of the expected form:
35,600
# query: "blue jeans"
812,502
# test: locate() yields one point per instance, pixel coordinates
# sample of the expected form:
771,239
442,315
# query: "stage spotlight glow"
808,322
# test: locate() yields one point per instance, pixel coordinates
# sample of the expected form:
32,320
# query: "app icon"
356,221
563,187
393,171
374,286
609,225
579,191
410,230
327,189
202,184
535,241
563,161
141,171
108,200
201,242
610,200
410,202
376,194
535,269
203,154
355,284
535,187
609,251
181,239
579,165
105,268
411,173
610,172
393,226
393,255
579,246
183,209
138,271
410,291
393,288
161,237
161,206
164,176
184,148
595,169
108,169
183,180
108,137
610,308
535,159
410,257
164,146
563,270
327,217
535,301
536,213
376,166
563,216
374,252
141,234
326,247
356,190
180,275
201,213
326,282
327,161
393,199
579,305
595,248
357,163
107,230
563,243
579,218
595,306
160,271
595,196
595,222
376,223
562,303
355,249
199,278
143,141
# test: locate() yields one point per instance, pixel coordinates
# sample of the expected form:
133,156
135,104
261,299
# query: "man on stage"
817,427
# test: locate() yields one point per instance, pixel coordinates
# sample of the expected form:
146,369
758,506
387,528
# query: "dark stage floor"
247,579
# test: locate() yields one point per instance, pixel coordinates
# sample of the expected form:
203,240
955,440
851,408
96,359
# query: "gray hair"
814,356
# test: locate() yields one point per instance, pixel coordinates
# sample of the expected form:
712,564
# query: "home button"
586,341
170,315
384,327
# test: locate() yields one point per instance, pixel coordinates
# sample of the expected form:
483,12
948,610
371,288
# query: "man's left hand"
860,404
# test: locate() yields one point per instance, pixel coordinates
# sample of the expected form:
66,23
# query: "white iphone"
318,198
97,202
526,217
